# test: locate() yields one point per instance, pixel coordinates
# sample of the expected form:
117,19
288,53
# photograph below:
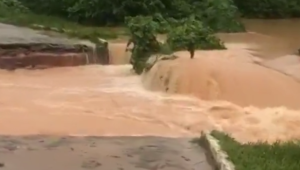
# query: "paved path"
10,34
13,34
100,153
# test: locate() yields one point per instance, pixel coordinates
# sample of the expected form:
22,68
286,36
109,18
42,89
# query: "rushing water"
110,100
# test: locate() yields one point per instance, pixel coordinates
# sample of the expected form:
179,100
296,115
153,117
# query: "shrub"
188,32
143,31
192,31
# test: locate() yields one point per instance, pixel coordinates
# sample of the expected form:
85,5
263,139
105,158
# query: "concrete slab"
107,153
11,34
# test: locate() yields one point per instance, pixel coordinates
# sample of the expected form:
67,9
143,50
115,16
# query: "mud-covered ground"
107,153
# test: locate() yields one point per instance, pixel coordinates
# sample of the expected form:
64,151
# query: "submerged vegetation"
261,155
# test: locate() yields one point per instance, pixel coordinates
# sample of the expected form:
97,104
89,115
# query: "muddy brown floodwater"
111,101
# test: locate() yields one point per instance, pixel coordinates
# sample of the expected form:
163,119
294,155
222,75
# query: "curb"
219,157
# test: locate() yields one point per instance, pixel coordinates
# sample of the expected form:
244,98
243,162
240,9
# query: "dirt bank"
225,75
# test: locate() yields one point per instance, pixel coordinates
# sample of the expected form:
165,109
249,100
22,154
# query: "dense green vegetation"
269,9
261,155
107,12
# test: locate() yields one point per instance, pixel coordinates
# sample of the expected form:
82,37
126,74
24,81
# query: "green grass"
60,25
261,155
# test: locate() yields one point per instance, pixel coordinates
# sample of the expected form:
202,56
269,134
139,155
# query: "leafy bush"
193,32
189,33
269,8
261,155
143,31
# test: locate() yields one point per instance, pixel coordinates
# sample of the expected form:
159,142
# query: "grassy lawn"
260,156
56,24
